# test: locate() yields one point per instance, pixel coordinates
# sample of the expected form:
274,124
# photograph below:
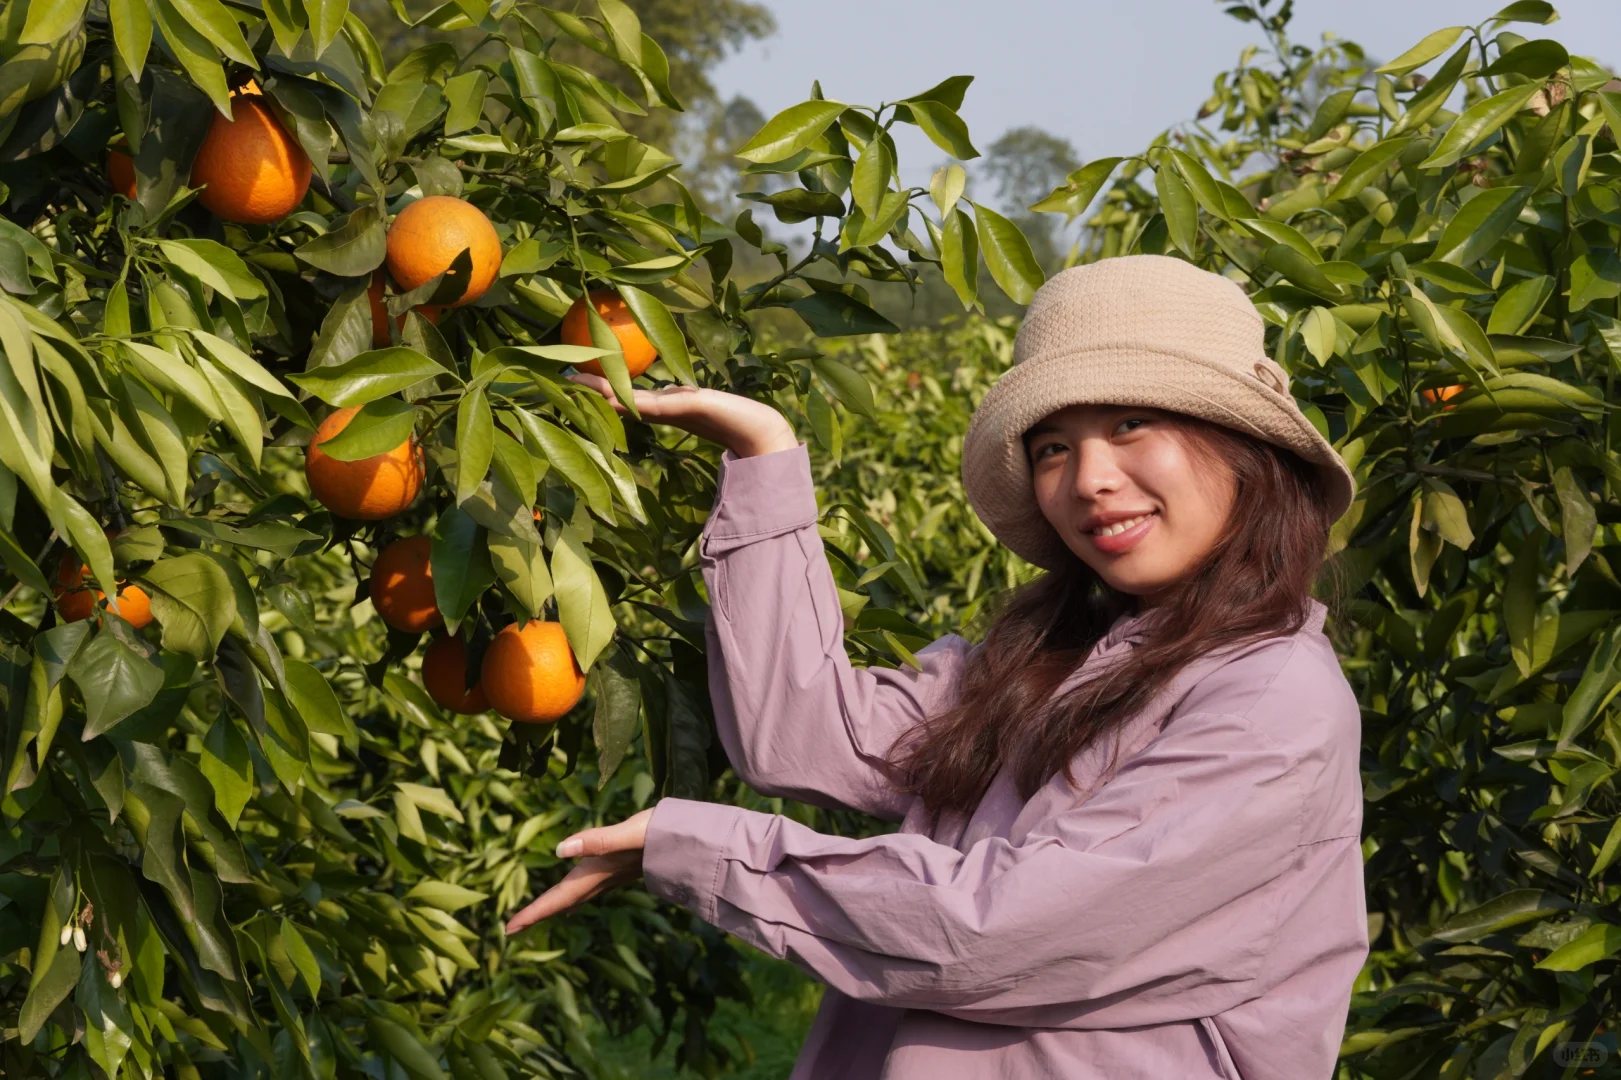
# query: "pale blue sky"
1105,74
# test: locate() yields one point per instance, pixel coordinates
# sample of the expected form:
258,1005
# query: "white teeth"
1121,526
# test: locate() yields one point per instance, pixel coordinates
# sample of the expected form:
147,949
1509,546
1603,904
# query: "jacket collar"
1133,627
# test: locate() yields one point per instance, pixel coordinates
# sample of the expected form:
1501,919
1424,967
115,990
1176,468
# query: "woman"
1130,840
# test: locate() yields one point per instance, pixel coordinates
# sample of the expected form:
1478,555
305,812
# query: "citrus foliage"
244,840
1396,248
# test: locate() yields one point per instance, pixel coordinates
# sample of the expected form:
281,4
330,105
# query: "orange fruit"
444,673
250,169
639,352
379,313
402,586
531,674
369,489
1445,392
121,170
425,238
75,600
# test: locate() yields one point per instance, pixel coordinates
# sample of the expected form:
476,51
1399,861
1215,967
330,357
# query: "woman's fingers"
627,835
591,877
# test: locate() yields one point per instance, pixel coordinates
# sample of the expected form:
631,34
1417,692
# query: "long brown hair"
1253,584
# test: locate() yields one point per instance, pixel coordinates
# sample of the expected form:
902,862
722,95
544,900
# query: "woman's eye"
1132,420
1046,450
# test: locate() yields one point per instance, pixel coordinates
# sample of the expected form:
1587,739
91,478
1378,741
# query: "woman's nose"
1096,471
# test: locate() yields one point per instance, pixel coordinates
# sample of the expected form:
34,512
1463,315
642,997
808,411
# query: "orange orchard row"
252,171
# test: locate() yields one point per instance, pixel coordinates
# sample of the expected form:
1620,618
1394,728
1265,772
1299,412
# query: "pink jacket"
1194,911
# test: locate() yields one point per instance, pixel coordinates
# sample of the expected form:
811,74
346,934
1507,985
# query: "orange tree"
285,335
1442,285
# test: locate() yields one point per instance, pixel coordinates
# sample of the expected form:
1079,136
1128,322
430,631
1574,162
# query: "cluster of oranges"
528,674
252,170
75,600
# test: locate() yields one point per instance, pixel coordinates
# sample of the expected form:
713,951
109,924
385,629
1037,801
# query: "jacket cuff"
685,850
760,497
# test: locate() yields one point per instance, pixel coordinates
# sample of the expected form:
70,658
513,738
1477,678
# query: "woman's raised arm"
796,718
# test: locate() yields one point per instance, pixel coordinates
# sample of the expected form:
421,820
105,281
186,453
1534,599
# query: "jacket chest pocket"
1224,1060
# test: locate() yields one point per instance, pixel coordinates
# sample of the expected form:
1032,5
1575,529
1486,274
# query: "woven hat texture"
1144,330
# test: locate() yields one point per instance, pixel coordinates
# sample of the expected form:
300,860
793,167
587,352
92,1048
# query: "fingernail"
570,848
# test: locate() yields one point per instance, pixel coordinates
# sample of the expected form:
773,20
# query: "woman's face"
1127,495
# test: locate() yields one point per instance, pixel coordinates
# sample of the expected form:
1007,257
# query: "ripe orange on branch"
402,586
121,170
370,489
75,600
444,673
639,352
531,674
250,168
425,238
1442,394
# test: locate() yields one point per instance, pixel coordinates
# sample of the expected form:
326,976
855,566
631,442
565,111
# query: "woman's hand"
612,856
746,427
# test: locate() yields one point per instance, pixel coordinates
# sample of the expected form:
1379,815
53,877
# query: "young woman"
1131,819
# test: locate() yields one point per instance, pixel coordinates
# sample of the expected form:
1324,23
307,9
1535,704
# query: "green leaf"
377,428
1200,183
790,131
582,603
215,265
445,896
195,54
1520,596
870,177
51,984
618,711
847,385
195,604
945,188
1369,166
465,96
948,92
402,1046
1599,942
1477,122
1518,305
1484,220
311,696
1579,521
460,560
114,681
566,454
836,314
303,958
326,20
1181,212
661,329
1531,11
1533,59
1007,253
1320,331
353,249
475,442
943,127
132,32
226,762
959,257
1081,187
215,22
520,565
1513,908
49,21
369,376
1432,46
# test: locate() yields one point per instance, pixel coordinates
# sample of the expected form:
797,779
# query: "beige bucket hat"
1135,330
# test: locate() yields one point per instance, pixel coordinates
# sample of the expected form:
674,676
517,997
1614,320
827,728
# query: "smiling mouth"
1122,526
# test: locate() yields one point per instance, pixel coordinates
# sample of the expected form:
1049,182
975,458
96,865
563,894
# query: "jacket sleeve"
1156,900
796,719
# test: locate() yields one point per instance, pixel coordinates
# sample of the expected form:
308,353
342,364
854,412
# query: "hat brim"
996,469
